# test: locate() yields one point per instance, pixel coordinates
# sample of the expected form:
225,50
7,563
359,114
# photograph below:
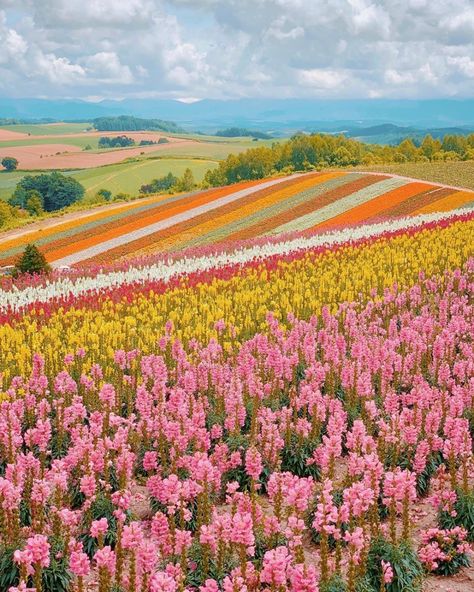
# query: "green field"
211,151
128,177
8,183
48,129
125,177
82,142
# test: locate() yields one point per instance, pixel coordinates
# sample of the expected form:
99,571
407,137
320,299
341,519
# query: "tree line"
116,142
170,184
128,123
125,141
319,151
48,192
242,132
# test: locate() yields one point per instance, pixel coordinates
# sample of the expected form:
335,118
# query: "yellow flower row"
302,286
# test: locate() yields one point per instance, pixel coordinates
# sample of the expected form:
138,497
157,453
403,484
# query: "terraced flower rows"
308,203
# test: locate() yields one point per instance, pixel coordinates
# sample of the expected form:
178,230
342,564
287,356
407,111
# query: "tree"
125,123
10,163
32,261
342,157
104,194
408,149
5,213
56,190
429,146
34,203
186,182
160,185
453,143
116,142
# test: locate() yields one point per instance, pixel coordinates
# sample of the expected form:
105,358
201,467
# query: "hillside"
314,202
450,173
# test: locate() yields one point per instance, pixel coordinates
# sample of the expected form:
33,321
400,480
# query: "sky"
195,49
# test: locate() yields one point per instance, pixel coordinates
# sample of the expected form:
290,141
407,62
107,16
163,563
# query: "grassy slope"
129,176
206,148
125,177
48,129
32,141
459,174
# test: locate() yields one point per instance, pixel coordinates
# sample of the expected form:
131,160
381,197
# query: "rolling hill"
302,203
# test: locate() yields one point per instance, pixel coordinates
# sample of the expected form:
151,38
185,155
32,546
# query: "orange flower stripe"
168,238
309,206
242,208
450,202
34,235
375,206
411,204
105,232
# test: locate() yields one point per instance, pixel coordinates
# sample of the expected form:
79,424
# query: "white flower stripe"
16,299
124,239
340,206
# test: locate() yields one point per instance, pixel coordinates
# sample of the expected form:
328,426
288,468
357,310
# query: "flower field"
258,414
314,202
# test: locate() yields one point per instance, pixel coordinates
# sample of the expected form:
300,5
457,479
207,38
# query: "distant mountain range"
376,120
388,133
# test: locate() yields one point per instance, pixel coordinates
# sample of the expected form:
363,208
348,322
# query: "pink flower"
387,572
303,578
275,564
209,586
147,556
107,395
253,463
105,559
183,540
162,582
121,499
99,528
242,531
38,548
150,462
88,485
22,587
79,564
23,558
132,536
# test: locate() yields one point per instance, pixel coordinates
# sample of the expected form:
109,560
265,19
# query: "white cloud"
72,14
464,64
321,79
395,77
57,70
228,48
105,67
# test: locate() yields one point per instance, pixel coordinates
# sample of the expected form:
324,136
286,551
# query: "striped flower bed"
248,210
164,270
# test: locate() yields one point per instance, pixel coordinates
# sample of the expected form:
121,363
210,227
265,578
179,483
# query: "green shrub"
9,572
464,514
407,569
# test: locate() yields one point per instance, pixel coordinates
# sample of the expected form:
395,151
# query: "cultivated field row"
314,202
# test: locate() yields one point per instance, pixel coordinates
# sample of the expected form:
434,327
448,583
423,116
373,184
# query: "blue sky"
192,49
